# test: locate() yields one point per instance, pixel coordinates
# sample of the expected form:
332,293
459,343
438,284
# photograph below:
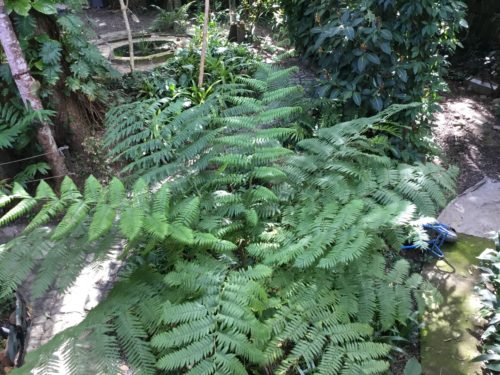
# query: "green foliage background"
258,233
488,290
374,53
377,52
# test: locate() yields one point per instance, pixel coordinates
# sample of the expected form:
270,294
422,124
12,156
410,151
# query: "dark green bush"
374,53
168,21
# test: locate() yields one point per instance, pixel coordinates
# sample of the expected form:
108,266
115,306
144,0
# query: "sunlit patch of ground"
468,131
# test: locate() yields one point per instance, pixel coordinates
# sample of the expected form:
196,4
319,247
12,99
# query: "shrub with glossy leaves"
374,53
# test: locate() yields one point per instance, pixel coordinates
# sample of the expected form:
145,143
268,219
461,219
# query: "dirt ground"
104,21
468,132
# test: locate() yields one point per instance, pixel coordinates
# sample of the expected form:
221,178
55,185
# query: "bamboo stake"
232,12
124,8
204,43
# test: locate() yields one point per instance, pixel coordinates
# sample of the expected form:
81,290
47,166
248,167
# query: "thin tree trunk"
28,90
232,11
124,8
204,43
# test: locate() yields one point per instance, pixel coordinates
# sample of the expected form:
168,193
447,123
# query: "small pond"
149,50
144,48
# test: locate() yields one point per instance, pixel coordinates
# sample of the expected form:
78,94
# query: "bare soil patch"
105,21
468,132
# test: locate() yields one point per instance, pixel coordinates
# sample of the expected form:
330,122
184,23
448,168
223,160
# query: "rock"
496,127
481,87
476,211
496,101
56,311
8,233
484,97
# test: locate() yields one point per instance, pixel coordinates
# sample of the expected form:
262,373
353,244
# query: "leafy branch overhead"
23,7
245,250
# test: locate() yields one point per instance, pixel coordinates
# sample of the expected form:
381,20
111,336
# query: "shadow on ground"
468,132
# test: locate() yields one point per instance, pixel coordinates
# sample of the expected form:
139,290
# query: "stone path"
55,312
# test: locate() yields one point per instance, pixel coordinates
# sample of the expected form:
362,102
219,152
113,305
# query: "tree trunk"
232,12
74,120
28,88
204,43
124,8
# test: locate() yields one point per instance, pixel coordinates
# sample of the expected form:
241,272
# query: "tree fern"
15,123
219,331
244,250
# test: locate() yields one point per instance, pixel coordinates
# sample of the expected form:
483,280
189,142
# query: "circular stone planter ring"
159,53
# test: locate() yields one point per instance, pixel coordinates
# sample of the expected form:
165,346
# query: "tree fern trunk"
74,120
28,90
204,43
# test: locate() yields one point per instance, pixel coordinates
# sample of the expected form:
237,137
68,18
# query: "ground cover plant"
488,290
242,254
177,77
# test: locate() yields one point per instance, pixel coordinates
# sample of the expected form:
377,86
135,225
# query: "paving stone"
55,312
476,211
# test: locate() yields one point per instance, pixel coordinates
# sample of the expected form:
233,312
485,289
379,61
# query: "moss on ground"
450,336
